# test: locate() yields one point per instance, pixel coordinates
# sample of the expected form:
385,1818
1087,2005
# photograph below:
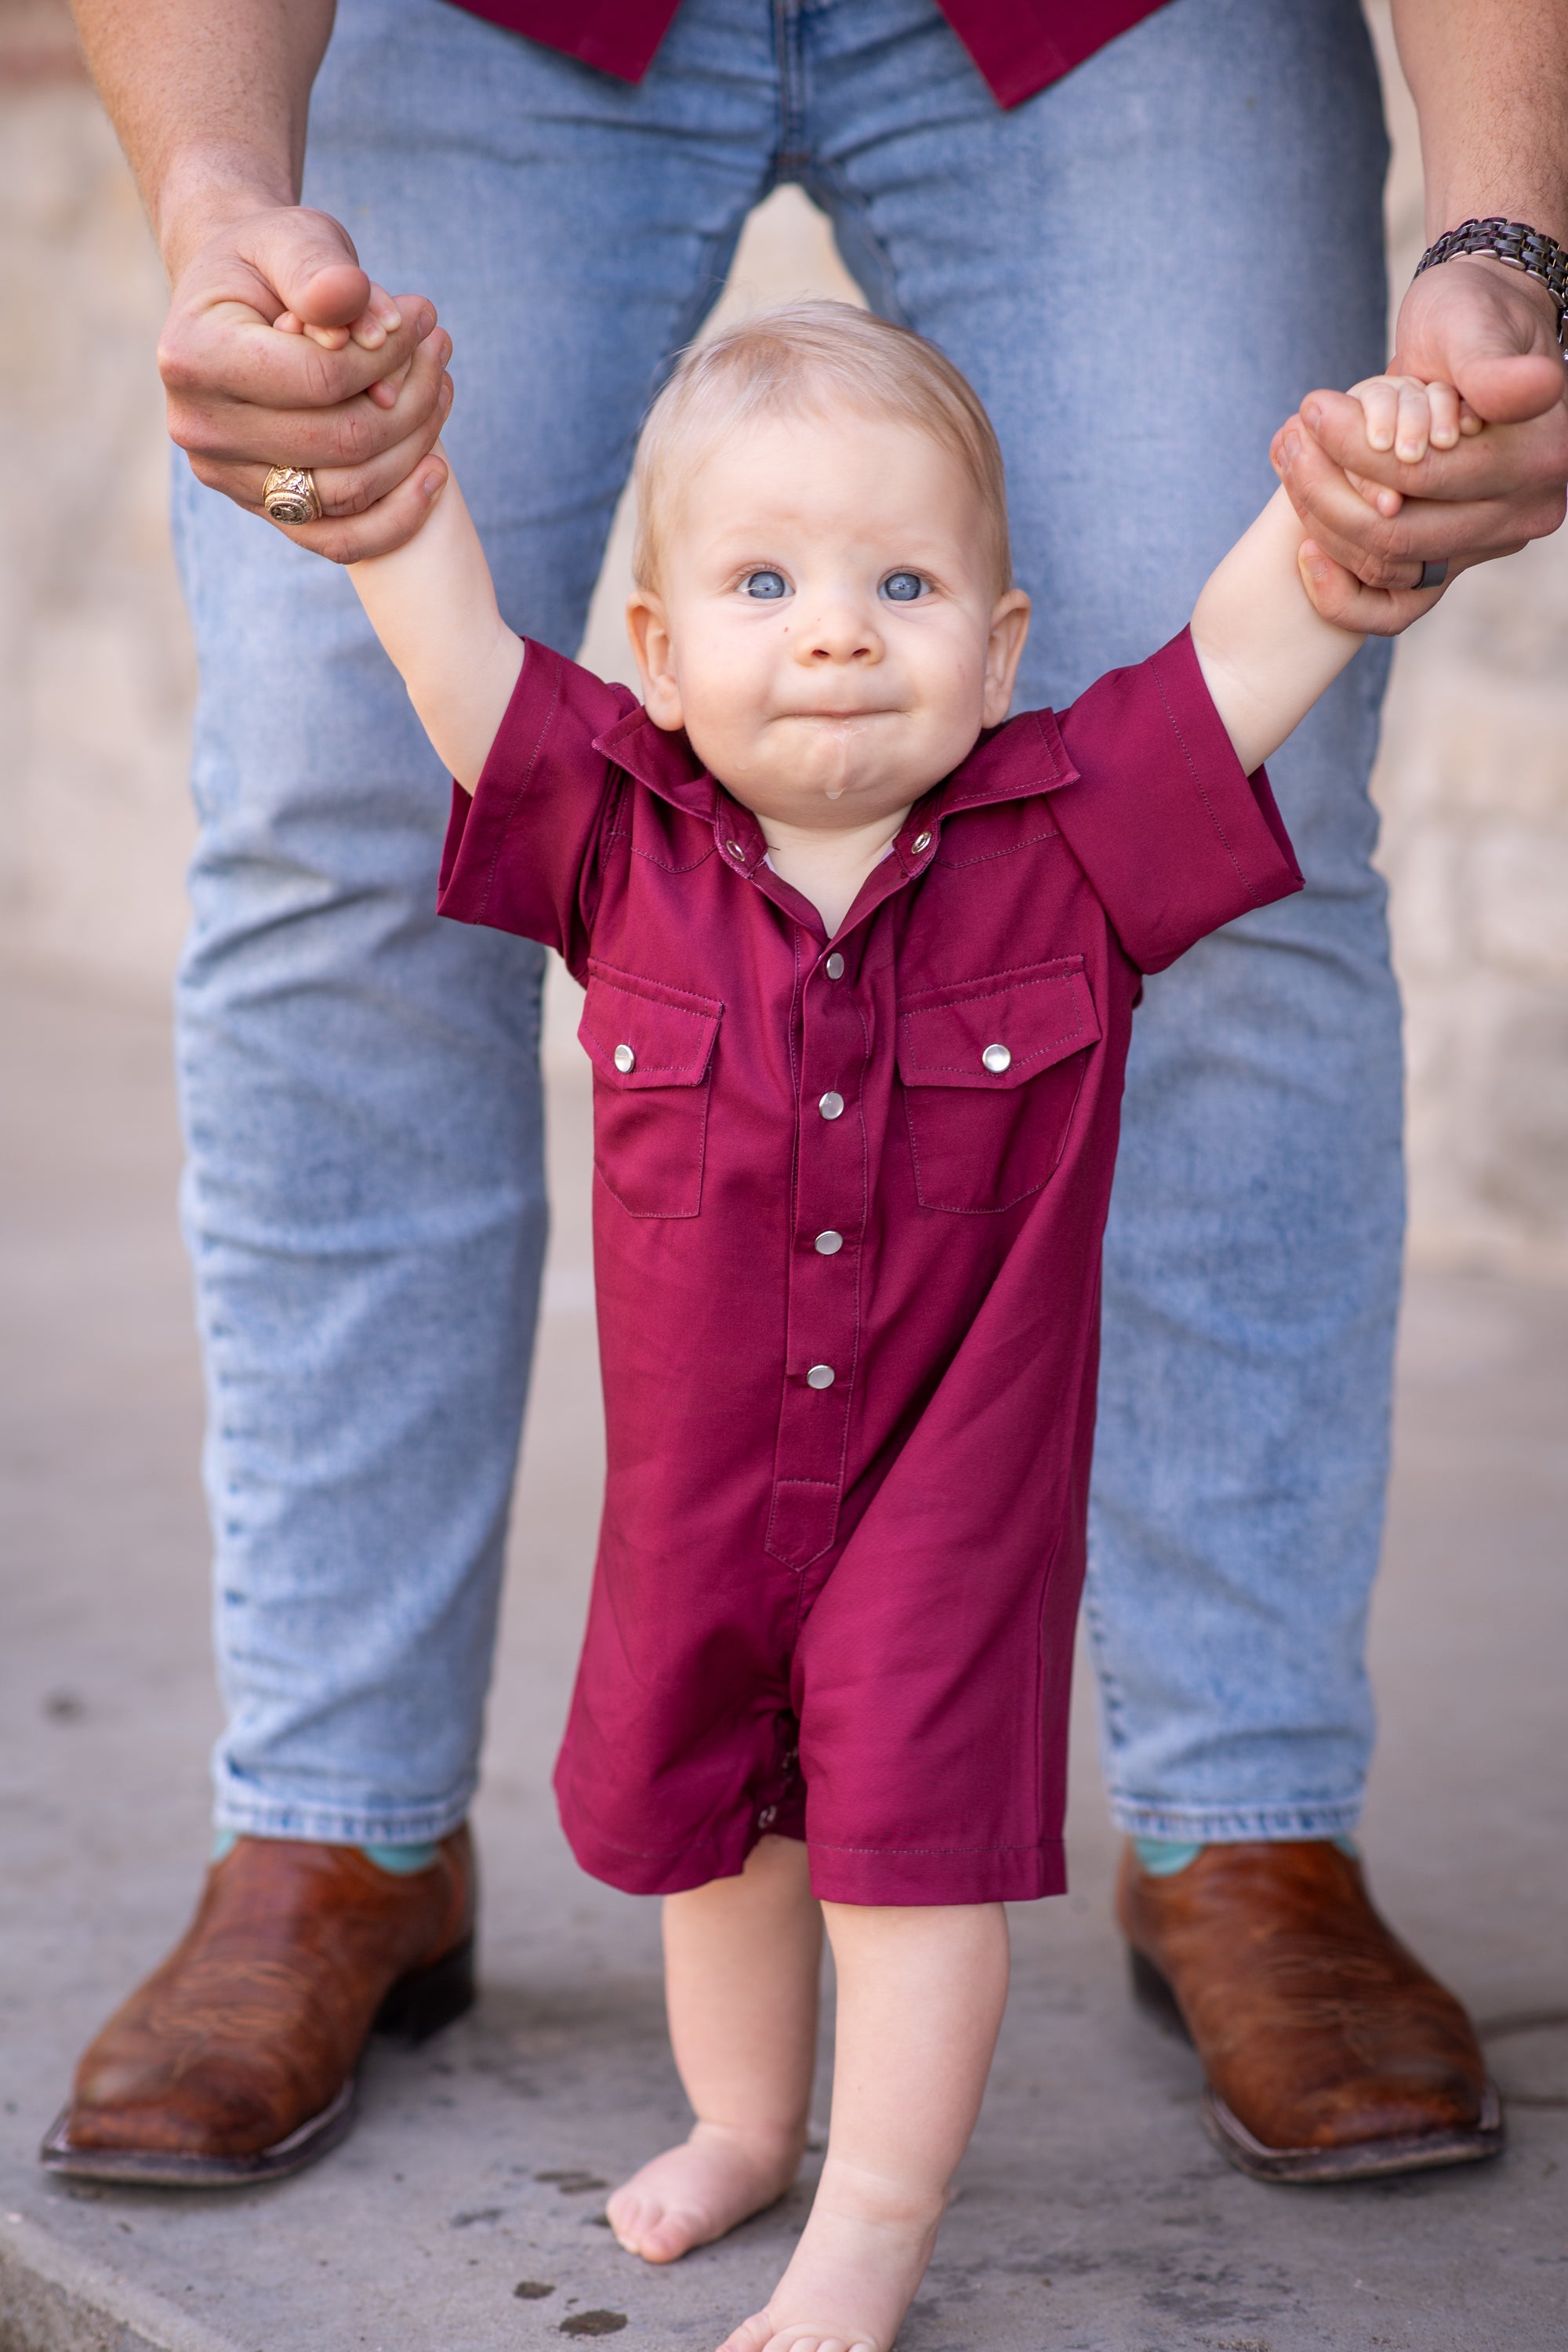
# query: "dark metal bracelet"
1521,247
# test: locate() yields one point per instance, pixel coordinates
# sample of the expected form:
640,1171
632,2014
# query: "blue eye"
767,587
903,587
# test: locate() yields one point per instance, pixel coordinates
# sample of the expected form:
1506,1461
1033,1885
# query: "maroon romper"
848,1207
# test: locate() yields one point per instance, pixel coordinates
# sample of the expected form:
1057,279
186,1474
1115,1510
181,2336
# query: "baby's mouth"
844,718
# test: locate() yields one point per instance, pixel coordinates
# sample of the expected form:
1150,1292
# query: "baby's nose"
841,635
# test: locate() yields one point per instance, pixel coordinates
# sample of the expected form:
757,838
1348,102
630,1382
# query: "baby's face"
826,627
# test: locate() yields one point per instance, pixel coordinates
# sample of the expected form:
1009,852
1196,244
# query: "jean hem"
1212,1825
319,1826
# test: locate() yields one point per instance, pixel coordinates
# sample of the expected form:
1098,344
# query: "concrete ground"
465,2212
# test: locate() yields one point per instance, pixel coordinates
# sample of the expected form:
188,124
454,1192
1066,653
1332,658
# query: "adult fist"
1491,331
278,351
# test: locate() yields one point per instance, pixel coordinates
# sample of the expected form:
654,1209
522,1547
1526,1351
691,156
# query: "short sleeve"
521,854
1175,839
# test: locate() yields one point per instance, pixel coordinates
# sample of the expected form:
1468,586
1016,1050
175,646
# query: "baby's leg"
921,1995
743,1957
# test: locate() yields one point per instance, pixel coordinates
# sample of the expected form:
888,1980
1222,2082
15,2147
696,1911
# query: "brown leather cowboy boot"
235,2060
1330,2053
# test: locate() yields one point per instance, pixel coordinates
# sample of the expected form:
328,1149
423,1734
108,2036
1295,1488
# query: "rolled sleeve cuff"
1176,839
515,853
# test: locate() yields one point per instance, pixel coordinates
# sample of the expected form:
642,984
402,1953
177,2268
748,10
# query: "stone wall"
96,673
1473,786
95,677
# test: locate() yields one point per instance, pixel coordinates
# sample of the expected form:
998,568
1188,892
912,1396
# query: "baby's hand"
1408,417
369,331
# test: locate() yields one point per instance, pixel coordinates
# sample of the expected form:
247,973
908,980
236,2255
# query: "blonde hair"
798,360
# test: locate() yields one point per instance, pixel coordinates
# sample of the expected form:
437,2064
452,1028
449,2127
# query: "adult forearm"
1490,85
210,99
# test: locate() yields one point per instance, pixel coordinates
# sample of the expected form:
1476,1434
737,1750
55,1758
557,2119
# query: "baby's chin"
830,774
827,801
857,771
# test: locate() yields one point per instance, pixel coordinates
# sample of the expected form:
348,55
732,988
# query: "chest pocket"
651,1048
992,1070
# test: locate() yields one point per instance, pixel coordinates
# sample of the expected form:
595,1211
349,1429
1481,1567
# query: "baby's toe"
664,2238
792,2340
628,2217
752,2334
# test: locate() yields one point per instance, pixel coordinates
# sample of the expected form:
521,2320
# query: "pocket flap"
638,1033
1000,1032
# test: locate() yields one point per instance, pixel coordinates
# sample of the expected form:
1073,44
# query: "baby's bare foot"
693,2193
863,2253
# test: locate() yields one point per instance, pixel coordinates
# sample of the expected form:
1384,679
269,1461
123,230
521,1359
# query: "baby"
862,956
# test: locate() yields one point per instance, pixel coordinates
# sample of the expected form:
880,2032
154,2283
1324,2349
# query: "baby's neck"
827,866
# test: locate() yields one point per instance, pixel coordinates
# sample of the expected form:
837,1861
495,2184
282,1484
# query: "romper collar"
1008,763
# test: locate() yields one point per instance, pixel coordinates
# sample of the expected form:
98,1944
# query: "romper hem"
876,1876
674,1871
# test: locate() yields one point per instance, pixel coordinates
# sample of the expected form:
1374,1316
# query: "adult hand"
1491,331
359,396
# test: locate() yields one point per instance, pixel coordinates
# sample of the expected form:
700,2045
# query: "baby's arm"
1265,652
433,605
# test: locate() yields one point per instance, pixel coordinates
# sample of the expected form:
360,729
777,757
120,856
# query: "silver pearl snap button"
624,1058
819,1377
997,1059
767,1817
828,1244
834,967
830,1105
922,841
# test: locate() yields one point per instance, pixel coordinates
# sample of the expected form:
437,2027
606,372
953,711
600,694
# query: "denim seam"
330,1825
792,152
1232,1825
1111,1702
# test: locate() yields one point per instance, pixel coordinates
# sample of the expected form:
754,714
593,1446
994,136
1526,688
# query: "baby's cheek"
726,703
724,736
953,695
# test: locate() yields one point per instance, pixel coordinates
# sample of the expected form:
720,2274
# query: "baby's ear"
648,626
1004,650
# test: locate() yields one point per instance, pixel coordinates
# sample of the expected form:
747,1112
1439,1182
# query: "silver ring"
288,495
1433,575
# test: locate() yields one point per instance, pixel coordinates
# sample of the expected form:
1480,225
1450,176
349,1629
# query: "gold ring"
290,495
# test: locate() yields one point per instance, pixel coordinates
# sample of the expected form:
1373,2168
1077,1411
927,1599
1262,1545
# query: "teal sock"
1163,1857
402,1861
397,1860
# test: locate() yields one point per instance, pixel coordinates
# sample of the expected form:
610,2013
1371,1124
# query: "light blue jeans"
1141,270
